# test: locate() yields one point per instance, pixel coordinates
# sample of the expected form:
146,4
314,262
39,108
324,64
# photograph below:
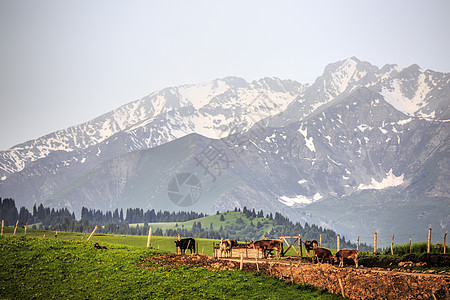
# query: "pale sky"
63,63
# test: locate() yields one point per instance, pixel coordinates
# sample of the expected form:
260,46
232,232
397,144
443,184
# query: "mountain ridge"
357,133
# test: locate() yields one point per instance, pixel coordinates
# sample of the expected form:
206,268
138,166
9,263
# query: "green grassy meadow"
67,267
163,243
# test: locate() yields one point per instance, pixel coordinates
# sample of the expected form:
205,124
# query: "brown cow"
97,246
226,245
323,253
346,253
267,245
310,245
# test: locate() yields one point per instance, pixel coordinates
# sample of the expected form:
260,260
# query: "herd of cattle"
266,246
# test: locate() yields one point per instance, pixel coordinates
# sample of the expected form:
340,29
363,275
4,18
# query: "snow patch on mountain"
299,200
389,181
396,97
308,141
342,78
201,94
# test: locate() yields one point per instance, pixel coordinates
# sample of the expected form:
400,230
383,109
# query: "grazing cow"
226,245
187,243
97,246
310,245
267,245
346,253
323,253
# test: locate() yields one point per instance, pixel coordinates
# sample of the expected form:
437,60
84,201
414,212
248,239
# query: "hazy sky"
66,62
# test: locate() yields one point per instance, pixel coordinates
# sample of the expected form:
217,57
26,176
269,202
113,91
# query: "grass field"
163,243
70,268
230,218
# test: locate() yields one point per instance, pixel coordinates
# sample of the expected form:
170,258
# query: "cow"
187,243
310,245
323,253
97,246
267,245
347,254
226,245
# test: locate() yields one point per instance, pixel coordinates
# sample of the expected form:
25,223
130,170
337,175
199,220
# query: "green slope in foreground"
37,268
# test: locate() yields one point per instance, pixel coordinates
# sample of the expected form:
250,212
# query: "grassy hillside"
238,225
49,268
230,225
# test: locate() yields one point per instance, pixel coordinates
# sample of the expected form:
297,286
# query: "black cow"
323,253
187,243
310,245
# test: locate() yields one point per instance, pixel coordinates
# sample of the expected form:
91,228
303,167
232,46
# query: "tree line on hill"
116,223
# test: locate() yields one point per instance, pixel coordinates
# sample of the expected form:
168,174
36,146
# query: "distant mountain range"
361,150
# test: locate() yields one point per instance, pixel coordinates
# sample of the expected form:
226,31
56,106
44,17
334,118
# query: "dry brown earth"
362,283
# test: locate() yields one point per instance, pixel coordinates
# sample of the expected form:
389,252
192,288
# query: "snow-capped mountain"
360,149
208,108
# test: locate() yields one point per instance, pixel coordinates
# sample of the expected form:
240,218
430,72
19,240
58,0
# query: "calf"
310,245
187,243
267,245
97,246
226,245
323,253
346,253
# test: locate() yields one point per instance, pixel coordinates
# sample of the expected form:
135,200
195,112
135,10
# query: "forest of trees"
110,222
117,222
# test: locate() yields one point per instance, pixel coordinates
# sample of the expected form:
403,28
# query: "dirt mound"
196,260
365,283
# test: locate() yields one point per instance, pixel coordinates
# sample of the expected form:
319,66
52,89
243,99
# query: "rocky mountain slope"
360,150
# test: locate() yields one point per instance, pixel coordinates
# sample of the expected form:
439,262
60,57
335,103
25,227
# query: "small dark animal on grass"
187,243
97,246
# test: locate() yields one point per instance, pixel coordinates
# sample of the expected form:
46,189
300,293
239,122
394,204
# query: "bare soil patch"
363,283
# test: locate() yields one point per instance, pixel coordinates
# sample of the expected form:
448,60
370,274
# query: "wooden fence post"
179,249
375,243
301,272
357,244
256,259
86,233
410,248
290,269
3,225
342,286
26,224
338,242
392,246
320,240
429,240
445,235
242,261
149,239
15,228
92,233
300,246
